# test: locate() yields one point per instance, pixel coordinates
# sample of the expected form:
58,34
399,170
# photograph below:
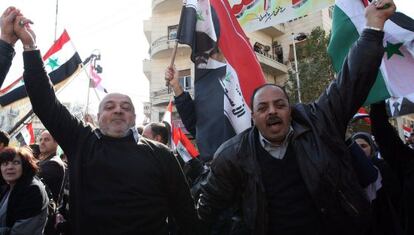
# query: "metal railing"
269,56
164,40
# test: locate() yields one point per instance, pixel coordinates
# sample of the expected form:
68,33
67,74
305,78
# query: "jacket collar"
299,129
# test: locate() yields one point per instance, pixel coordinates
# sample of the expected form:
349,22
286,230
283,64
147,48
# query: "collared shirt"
276,151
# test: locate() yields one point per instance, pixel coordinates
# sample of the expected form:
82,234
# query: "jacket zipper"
347,202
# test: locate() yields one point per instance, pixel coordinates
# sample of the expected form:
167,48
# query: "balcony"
163,47
146,67
162,97
148,29
274,31
161,6
271,65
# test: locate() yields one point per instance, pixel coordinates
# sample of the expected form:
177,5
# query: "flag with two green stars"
61,62
396,77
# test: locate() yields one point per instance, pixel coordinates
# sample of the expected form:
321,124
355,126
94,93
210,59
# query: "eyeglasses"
14,163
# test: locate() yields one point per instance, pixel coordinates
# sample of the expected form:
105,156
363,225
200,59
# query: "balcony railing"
271,64
164,44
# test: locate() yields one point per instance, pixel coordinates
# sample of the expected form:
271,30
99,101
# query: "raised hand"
24,32
6,25
171,78
378,12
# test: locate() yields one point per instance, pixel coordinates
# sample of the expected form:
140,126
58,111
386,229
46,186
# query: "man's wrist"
30,47
8,41
375,28
375,24
177,89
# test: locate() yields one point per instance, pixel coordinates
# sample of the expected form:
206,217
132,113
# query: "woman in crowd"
385,204
23,202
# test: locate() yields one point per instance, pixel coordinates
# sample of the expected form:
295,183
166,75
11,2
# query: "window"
172,32
185,82
185,79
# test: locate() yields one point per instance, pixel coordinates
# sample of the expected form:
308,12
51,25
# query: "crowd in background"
292,172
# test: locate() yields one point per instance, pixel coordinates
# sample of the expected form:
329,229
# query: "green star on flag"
392,49
200,16
53,63
395,75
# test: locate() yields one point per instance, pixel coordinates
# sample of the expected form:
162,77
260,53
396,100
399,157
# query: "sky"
113,28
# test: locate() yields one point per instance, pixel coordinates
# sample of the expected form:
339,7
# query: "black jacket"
323,159
400,158
118,186
6,56
52,173
27,199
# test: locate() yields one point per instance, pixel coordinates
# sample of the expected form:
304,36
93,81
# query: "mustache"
273,119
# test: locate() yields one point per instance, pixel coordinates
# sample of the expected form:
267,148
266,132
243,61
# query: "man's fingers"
9,10
11,17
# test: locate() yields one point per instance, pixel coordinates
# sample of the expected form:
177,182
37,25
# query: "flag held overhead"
61,61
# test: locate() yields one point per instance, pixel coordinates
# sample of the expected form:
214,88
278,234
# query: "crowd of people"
292,172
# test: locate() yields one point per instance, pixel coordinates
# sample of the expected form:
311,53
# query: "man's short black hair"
161,130
4,138
263,86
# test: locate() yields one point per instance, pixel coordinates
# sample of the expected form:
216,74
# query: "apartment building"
272,45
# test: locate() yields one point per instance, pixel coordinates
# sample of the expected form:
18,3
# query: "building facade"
272,45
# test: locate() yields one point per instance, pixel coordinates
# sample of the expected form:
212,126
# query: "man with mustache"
291,173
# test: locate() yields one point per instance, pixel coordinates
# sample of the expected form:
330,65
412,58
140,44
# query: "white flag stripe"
398,69
235,107
185,155
61,56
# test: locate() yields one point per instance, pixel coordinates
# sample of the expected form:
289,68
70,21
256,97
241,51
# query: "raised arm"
183,101
63,126
349,90
392,148
7,41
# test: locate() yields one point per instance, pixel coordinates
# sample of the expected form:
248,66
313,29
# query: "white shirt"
276,151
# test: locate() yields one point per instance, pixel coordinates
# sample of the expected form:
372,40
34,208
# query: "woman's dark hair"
368,138
29,163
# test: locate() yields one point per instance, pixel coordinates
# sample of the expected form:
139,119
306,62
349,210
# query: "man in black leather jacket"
291,173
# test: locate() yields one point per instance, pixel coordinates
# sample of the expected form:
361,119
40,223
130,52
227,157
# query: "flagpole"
19,123
174,53
87,96
30,114
56,18
87,61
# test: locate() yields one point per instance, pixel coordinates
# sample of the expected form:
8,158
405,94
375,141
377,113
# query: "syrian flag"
362,114
179,140
222,86
183,145
397,68
26,135
407,131
61,61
